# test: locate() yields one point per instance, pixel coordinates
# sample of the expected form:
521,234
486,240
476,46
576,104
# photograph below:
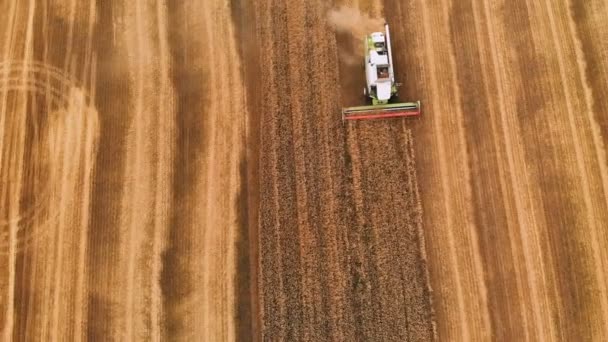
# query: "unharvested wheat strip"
358,196
443,169
596,241
296,48
336,292
417,204
274,172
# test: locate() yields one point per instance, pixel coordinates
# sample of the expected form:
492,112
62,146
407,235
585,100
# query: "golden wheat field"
179,171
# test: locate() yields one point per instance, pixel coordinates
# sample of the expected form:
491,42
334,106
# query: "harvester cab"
381,86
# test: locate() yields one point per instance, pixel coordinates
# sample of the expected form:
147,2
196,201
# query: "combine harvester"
381,86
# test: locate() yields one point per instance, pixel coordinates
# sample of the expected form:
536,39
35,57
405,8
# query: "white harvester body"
377,68
380,82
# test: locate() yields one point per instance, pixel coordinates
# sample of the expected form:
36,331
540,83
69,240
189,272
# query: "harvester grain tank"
381,86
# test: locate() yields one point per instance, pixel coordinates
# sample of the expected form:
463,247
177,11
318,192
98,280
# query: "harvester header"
381,86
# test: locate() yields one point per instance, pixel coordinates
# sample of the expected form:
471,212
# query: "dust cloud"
350,21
